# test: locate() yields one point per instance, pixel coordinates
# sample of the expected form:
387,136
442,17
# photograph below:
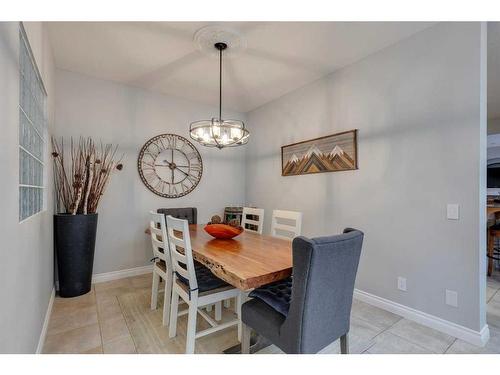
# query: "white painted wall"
26,253
130,116
419,106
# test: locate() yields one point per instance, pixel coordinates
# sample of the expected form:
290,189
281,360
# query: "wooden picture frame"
330,153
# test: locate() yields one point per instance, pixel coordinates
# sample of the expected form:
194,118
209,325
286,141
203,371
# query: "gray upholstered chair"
310,310
185,213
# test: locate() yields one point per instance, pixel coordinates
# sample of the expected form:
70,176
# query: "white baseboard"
479,338
115,275
46,321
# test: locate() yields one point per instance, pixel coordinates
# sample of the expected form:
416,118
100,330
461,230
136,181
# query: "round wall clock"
170,166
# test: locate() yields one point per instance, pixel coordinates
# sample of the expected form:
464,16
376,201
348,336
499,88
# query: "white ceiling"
493,70
161,56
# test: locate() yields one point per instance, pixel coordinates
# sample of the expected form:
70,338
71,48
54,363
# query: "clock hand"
172,175
169,164
180,170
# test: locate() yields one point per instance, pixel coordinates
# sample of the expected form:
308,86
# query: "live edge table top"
248,261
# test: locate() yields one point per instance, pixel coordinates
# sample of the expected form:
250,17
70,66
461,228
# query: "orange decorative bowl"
222,231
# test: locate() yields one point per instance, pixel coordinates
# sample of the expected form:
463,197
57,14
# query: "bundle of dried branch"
81,181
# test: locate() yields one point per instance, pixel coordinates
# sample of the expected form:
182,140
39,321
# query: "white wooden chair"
186,286
252,225
286,224
162,267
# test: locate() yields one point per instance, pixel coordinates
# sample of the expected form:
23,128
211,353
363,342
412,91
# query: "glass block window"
32,131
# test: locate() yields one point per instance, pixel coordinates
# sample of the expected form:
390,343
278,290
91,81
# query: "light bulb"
235,134
200,133
206,137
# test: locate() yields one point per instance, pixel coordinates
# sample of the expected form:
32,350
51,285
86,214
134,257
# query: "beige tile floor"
115,317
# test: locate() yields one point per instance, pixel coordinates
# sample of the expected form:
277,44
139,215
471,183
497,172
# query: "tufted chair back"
324,271
185,213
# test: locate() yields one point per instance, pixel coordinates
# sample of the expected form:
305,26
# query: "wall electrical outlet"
402,284
451,298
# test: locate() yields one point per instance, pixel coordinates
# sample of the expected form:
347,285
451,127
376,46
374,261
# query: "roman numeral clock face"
170,166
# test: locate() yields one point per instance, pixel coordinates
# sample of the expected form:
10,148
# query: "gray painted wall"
129,116
419,107
26,253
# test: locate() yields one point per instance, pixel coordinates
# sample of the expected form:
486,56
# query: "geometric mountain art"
332,153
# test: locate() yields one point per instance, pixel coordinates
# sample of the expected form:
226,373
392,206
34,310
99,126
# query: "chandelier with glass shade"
218,132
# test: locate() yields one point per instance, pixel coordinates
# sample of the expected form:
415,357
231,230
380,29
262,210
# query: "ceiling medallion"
206,37
218,132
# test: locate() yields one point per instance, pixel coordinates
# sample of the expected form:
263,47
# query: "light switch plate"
451,298
402,284
452,212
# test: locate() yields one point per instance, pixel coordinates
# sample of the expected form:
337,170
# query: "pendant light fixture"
218,132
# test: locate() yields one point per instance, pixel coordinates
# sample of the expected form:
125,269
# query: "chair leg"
227,303
167,299
218,311
245,339
208,308
174,310
344,344
239,302
191,326
154,291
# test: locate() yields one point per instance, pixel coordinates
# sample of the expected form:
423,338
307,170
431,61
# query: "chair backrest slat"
181,271
159,238
181,251
177,241
286,224
155,230
252,219
157,245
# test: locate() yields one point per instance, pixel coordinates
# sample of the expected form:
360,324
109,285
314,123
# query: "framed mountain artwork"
332,153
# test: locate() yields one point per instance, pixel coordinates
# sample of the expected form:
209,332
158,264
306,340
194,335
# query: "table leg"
240,300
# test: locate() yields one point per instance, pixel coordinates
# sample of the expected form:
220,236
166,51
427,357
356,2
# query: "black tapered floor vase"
74,241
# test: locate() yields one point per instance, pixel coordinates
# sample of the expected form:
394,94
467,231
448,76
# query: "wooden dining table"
247,261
